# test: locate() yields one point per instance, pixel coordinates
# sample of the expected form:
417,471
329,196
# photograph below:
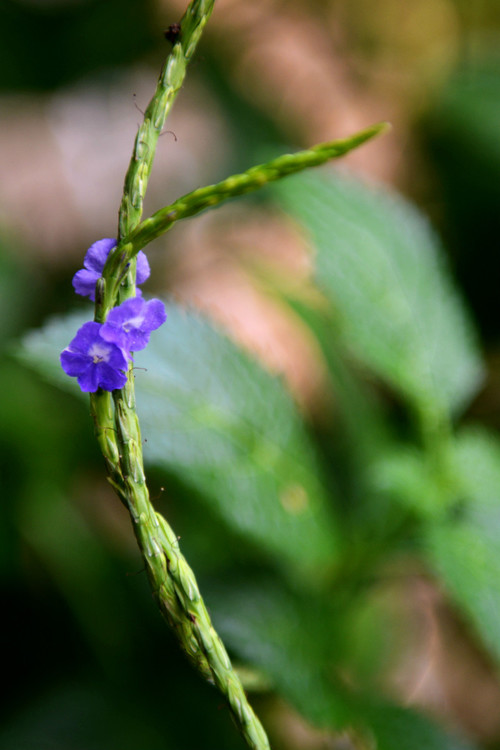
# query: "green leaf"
397,728
289,639
464,550
405,476
296,642
364,429
381,266
227,428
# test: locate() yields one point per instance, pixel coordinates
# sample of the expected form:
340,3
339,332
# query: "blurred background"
93,665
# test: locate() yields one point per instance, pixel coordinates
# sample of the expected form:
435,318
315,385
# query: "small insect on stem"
173,33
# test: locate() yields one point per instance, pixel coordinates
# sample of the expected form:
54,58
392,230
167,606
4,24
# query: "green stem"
137,177
246,182
169,83
149,526
436,435
172,580
174,584
212,195
116,422
118,432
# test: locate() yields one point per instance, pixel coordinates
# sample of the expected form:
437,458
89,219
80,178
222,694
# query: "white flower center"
133,323
99,353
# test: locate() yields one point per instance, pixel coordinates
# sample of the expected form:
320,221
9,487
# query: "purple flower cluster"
84,281
99,354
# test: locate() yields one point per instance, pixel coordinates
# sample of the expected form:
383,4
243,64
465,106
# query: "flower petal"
85,337
155,314
95,363
88,379
97,254
73,362
131,309
84,282
110,379
143,270
129,325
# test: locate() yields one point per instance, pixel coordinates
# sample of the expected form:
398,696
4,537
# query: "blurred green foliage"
297,531
227,430
462,136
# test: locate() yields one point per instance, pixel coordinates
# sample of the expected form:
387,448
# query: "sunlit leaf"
380,264
226,427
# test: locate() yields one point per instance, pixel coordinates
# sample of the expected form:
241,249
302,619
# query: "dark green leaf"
461,135
396,728
291,640
295,642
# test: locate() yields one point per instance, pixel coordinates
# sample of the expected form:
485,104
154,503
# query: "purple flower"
95,363
84,281
129,325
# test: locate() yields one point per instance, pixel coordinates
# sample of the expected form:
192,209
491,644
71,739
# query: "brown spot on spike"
173,33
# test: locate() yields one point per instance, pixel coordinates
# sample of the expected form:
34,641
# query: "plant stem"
174,584
115,417
246,182
169,83
212,195
118,433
